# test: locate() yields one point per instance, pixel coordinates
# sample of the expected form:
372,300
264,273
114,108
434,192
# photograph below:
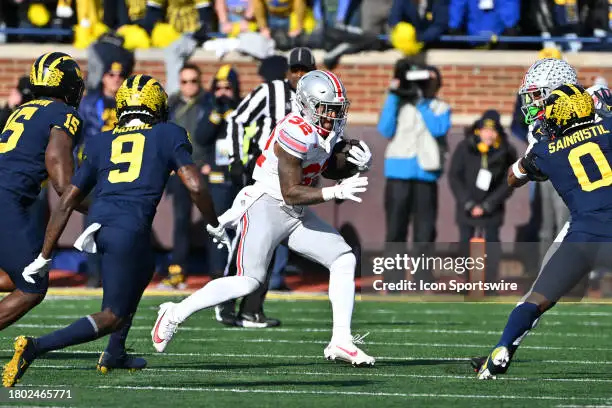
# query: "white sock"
213,293
342,296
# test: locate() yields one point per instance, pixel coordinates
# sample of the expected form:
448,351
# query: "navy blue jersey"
24,140
129,167
579,166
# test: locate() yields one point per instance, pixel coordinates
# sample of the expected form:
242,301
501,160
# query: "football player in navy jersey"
576,157
35,144
128,167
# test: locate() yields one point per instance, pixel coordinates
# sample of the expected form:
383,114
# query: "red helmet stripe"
336,82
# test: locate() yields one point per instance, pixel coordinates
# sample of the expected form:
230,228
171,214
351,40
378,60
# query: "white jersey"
298,138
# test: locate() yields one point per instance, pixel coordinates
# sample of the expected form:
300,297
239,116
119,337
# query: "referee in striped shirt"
267,105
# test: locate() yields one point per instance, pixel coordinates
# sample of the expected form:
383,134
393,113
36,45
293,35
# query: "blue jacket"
98,113
504,15
429,28
437,124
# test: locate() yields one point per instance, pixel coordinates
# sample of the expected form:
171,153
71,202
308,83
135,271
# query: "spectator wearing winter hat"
477,178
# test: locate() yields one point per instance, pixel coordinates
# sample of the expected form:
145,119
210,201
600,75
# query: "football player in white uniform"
298,152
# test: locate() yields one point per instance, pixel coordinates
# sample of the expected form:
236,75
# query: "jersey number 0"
599,158
133,157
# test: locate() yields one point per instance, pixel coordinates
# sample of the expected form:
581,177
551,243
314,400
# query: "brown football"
339,167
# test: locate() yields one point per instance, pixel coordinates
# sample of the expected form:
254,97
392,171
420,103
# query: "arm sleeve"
181,149
437,116
456,13
86,175
387,123
250,109
292,144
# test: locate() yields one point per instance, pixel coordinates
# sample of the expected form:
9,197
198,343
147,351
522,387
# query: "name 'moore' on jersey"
129,167
23,143
579,167
294,135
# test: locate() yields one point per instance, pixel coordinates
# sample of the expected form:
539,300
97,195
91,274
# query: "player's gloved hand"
533,172
39,267
360,156
219,236
347,189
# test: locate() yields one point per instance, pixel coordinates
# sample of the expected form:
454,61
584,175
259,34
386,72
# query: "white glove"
219,236
360,157
347,189
39,267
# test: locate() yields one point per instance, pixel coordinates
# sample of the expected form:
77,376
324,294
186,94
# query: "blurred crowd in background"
339,26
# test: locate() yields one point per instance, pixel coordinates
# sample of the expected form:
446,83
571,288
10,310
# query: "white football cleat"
164,328
347,351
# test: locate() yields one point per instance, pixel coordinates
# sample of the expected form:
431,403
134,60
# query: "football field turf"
422,352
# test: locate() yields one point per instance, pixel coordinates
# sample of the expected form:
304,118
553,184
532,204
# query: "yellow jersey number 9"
592,149
132,157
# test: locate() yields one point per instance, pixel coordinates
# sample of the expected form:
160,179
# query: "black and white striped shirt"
268,104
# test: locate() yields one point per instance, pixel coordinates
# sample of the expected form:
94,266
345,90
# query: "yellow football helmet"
568,106
142,95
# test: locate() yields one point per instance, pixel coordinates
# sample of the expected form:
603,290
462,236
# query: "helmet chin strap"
327,142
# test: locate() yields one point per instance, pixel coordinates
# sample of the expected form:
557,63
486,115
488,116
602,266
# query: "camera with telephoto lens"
415,81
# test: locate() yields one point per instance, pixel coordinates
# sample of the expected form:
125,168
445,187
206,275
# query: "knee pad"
345,264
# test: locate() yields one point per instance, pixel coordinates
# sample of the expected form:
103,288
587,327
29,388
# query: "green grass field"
421,349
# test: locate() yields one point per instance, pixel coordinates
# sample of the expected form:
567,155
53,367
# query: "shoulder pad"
299,129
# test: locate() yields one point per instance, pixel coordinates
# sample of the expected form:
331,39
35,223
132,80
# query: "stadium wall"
473,82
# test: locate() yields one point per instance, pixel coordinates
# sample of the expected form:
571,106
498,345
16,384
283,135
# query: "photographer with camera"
416,121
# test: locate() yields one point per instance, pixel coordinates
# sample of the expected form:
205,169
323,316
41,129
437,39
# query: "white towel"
86,242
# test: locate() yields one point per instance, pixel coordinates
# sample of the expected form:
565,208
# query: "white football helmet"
543,77
321,96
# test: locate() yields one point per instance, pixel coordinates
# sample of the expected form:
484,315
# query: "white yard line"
401,312
371,343
387,319
352,373
328,330
309,357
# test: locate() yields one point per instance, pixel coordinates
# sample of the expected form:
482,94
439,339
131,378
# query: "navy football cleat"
122,361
